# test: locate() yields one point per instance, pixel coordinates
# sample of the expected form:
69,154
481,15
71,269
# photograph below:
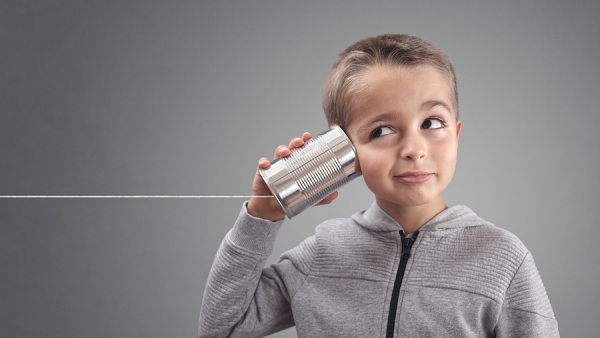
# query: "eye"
433,123
380,131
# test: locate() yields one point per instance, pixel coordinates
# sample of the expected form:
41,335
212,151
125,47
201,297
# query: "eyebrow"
430,104
379,118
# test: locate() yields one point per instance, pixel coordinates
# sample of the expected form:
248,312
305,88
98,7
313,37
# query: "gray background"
183,97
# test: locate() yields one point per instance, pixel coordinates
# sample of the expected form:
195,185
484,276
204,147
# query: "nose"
412,147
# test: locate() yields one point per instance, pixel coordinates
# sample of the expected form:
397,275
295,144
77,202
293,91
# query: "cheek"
445,155
372,162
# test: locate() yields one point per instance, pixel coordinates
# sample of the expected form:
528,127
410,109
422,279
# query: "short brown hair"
343,82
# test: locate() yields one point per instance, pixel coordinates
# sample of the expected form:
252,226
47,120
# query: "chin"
408,202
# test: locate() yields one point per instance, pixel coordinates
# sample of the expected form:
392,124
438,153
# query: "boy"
409,266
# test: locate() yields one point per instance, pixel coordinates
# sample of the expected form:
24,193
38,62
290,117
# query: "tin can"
312,172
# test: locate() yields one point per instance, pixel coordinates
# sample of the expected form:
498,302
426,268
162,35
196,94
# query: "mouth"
414,177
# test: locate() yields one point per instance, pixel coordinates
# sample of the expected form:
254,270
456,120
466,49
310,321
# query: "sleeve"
241,297
526,311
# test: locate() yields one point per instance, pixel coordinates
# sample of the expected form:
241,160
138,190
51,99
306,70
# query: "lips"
414,177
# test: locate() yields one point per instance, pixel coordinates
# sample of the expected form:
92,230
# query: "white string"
31,196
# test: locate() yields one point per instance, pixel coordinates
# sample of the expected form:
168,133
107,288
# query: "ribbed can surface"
323,165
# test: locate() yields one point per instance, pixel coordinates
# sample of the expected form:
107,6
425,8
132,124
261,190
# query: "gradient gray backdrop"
183,97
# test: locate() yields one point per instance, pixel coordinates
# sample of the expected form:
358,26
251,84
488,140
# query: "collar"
458,216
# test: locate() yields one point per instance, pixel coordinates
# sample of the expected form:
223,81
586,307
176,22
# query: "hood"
458,216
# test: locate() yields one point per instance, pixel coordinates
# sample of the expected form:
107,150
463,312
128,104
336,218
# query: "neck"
412,218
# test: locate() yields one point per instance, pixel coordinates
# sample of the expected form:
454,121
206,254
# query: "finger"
264,163
306,136
281,151
296,143
329,199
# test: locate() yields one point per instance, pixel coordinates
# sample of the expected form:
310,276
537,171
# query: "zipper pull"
407,243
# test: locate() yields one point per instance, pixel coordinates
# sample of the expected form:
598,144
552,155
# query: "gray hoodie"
462,277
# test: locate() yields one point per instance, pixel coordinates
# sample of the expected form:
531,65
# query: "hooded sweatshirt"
460,277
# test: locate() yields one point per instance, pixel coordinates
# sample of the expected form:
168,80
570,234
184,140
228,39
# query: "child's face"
405,133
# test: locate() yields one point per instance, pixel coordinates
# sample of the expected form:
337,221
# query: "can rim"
280,201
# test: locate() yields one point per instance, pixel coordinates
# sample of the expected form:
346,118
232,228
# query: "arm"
243,299
526,311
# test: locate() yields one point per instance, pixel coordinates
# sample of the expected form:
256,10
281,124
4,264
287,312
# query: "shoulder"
331,235
337,234
492,246
497,238
302,256
337,226
525,291
479,258
460,228
482,235
343,232
333,230
498,249
345,249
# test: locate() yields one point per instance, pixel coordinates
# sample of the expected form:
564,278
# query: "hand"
268,208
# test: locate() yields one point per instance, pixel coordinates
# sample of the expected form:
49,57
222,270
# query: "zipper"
406,246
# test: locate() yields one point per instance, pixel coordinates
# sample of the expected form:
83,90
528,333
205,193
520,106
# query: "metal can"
312,172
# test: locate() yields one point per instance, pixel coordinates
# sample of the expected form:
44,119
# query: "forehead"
384,88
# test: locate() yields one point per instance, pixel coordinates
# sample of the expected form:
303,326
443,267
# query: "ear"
458,128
